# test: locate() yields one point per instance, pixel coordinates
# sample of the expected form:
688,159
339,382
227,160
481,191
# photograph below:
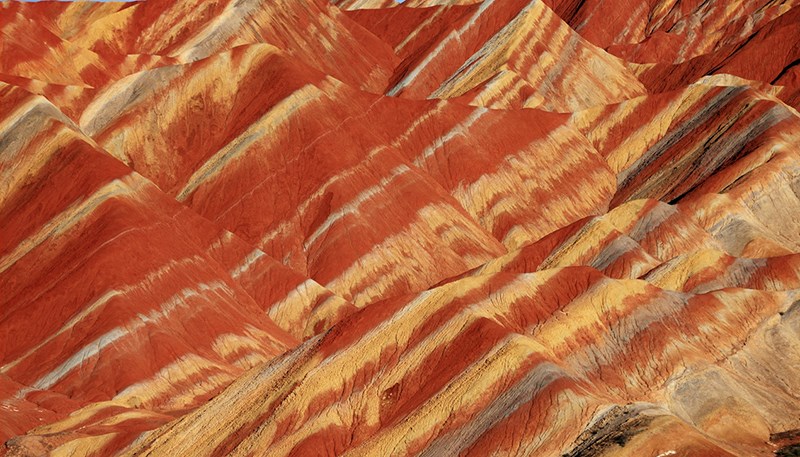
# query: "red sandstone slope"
110,268
364,228
511,45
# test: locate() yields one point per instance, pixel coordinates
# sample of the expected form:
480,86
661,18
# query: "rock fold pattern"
364,228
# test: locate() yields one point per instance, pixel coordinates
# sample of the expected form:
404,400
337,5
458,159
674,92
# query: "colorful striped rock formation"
371,228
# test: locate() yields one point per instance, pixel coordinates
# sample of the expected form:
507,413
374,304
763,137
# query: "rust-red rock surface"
431,228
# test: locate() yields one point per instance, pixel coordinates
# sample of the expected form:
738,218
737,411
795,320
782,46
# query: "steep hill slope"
435,228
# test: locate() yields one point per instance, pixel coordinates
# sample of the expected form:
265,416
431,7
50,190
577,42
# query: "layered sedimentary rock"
503,54
365,228
486,364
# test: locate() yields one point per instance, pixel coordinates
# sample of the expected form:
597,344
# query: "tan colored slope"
69,271
702,139
311,30
243,171
743,59
136,300
712,270
566,72
458,183
85,45
648,305
736,239
63,19
739,238
375,4
554,347
37,47
563,72
32,51
643,237
666,31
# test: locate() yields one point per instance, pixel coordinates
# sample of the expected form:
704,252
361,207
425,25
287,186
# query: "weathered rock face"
440,228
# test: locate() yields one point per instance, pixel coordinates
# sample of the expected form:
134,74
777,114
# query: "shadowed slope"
554,346
450,52
475,228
